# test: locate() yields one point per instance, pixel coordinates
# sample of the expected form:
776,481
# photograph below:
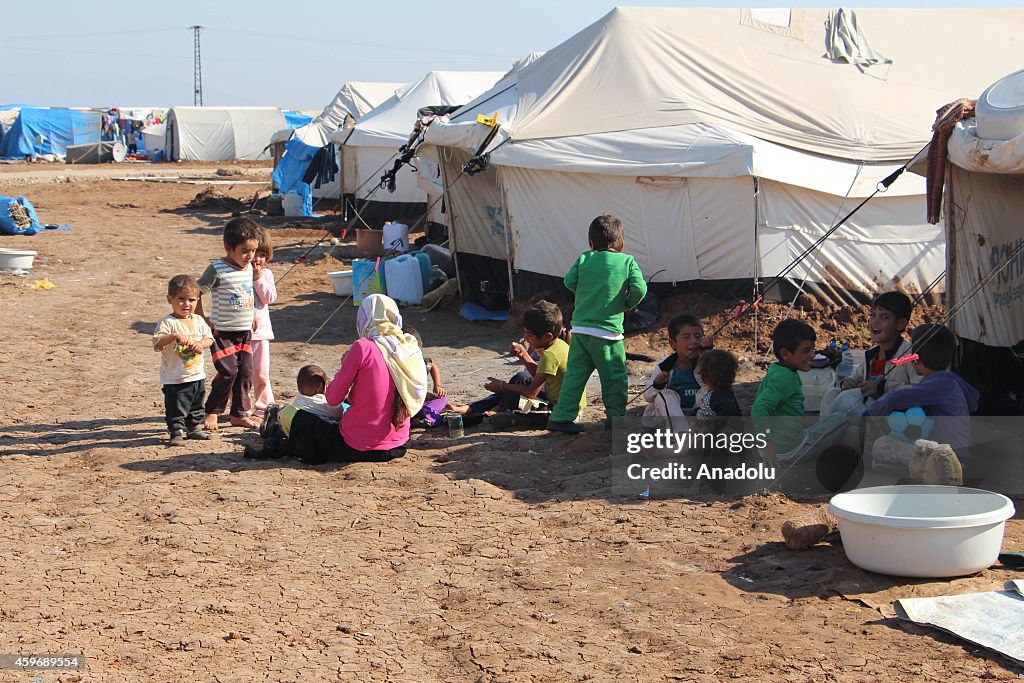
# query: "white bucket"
926,531
17,258
396,237
815,383
404,279
341,282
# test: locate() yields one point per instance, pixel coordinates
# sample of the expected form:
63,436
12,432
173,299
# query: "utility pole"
197,69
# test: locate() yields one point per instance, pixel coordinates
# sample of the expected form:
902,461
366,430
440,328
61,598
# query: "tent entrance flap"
666,202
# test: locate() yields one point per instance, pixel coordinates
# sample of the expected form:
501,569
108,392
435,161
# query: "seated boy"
890,315
437,400
277,420
778,410
946,399
542,379
673,383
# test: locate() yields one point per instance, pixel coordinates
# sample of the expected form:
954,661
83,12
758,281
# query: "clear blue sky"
293,55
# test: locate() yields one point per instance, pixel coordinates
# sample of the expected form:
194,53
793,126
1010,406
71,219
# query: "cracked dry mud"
494,557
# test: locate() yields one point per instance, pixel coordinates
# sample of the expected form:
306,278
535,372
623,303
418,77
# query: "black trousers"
183,405
315,441
232,356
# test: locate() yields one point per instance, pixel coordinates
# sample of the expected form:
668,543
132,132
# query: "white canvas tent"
354,100
727,141
371,146
220,133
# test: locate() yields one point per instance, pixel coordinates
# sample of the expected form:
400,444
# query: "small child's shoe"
177,439
198,434
269,420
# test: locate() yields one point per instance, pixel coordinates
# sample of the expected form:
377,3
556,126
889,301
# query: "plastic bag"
18,217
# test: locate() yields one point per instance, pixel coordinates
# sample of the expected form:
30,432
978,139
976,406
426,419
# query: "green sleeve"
572,278
635,283
765,403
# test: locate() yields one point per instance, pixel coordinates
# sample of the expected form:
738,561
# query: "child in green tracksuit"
606,283
778,408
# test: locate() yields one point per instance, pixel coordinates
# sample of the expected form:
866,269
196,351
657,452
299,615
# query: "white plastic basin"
341,282
17,258
922,531
999,113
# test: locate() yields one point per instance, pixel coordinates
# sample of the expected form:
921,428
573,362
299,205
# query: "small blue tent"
59,128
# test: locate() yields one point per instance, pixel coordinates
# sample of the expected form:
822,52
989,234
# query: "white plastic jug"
291,202
403,278
396,237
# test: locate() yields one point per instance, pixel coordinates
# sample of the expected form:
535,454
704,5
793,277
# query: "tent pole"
757,270
451,222
951,235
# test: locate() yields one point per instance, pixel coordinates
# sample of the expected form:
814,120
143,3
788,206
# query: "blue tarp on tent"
294,119
287,176
59,128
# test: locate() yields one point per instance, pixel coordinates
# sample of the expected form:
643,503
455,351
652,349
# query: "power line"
388,46
94,34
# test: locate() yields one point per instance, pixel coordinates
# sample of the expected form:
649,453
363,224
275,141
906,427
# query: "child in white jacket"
671,391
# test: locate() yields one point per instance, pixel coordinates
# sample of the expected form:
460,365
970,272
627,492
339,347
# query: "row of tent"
727,140
184,133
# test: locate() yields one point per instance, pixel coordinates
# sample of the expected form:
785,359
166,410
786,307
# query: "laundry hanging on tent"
845,42
322,167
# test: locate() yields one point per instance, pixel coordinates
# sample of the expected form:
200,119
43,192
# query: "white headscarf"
378,319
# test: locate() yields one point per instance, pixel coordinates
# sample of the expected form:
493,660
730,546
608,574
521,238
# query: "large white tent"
370,147
220,133
354,100
727,140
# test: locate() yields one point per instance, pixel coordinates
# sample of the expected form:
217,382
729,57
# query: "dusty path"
495,557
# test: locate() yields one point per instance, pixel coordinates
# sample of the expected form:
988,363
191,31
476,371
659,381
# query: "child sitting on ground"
277,420
543,378
890,315
718,371
945,397
778,409
436,401
432,370
606,283
181,337
671,390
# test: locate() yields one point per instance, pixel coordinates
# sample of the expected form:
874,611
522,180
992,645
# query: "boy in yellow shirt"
542,378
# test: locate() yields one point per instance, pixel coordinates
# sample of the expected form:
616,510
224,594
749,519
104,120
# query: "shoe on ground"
565,427
177,439
269,420
198,434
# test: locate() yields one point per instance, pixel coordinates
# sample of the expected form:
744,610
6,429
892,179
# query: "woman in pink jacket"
384,380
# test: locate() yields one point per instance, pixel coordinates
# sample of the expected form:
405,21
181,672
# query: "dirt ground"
491,557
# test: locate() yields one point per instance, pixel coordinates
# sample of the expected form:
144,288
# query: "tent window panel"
722,214
476,211
550,212
886,245
668,230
